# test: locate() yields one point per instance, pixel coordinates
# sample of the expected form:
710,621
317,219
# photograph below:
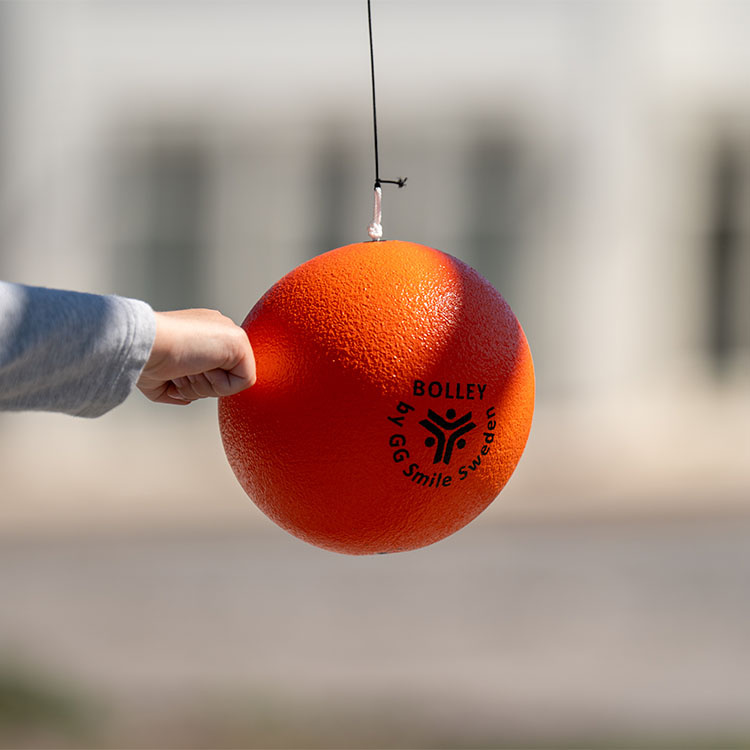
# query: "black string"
401,181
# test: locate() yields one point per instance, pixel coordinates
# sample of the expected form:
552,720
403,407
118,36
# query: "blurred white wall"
591,159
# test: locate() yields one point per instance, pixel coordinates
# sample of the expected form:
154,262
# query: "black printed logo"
446,433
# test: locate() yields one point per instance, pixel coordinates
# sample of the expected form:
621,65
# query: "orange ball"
394,397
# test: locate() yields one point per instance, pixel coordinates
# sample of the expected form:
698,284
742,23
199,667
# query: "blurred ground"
515,634
601,601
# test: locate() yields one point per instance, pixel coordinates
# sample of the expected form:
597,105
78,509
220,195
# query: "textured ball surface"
394,398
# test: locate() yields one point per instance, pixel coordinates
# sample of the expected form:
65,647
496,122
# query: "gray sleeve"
70,352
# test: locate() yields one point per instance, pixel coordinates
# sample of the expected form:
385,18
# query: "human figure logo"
446,433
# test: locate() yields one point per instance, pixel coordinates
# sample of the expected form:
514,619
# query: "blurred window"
336,184
494,212
728,254
160,207
4,67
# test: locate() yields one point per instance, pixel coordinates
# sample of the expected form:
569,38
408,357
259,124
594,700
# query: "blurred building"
591,159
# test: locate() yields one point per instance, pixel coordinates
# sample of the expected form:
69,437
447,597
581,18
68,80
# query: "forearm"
70,352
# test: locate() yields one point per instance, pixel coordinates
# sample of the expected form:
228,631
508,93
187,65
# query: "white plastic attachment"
375,230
